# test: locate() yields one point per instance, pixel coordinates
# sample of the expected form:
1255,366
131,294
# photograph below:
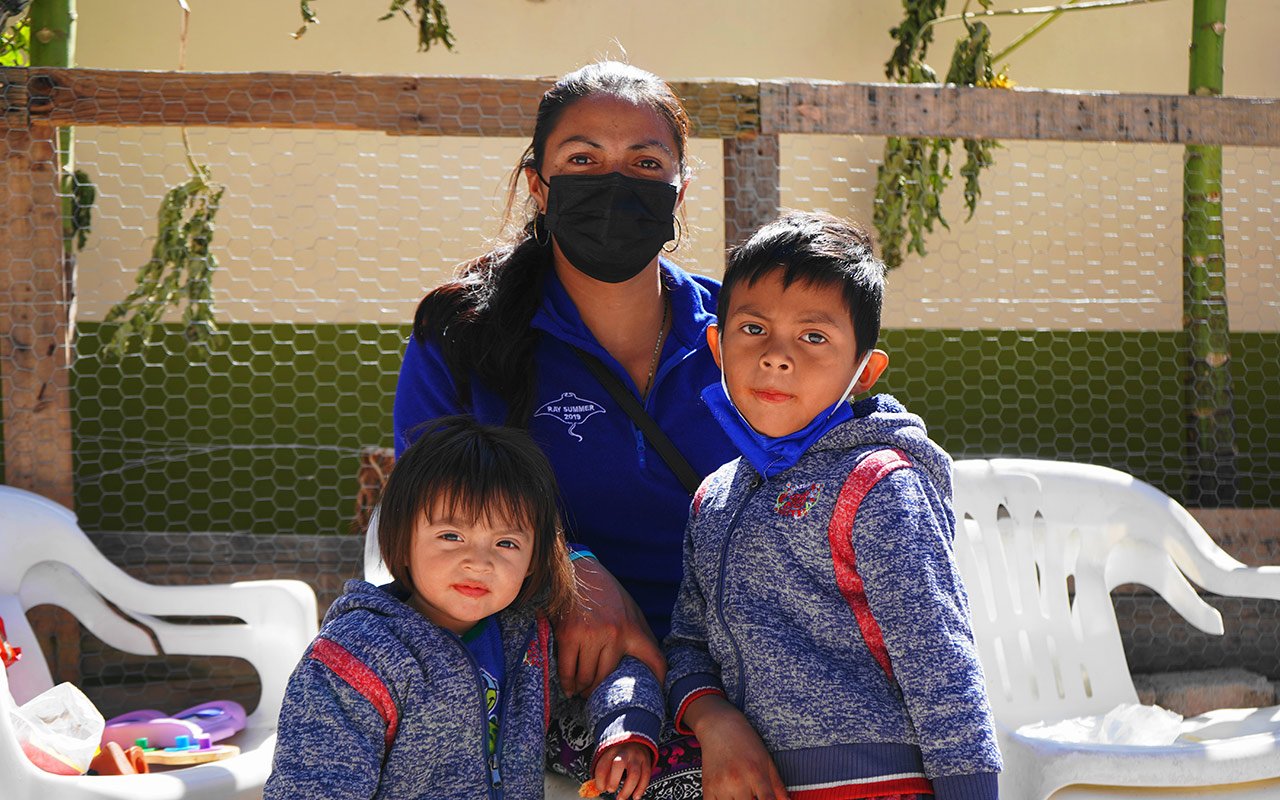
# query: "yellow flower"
1001,80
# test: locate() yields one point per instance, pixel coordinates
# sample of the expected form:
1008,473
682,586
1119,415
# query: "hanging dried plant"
180,270
915,171
432,20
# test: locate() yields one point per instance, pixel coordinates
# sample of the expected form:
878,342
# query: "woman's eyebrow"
582,139
652,143
579,138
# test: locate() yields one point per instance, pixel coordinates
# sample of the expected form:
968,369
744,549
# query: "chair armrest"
1139,561
1197,555
278,622
1257,582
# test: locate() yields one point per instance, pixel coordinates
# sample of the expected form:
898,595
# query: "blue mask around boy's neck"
771,455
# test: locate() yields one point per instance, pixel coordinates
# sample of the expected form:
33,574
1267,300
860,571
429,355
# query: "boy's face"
465,570
788,354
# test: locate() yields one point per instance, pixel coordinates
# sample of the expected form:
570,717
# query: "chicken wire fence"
1049,325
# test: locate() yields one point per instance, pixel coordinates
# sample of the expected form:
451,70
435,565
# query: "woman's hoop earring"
540,233
679,237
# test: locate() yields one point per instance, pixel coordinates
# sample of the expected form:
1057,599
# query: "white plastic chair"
1051,649
46,558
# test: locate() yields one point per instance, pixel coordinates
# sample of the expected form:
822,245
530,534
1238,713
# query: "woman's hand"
625,769
735,763
603,626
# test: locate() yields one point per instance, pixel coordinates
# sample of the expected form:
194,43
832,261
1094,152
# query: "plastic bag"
1127,723
59,730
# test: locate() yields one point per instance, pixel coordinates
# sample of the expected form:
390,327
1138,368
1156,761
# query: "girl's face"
465,570
601,134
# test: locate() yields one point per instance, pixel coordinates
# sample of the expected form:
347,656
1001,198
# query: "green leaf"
79,187
918,14
432,21
15,44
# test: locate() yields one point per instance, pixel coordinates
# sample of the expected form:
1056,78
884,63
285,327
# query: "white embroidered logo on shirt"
571,410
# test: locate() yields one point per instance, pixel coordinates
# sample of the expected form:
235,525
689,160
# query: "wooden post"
752,195
35,317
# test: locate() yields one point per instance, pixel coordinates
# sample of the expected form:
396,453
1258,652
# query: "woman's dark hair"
818,249
482,319
478,472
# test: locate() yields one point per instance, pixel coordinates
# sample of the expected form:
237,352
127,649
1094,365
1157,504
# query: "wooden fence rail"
36,318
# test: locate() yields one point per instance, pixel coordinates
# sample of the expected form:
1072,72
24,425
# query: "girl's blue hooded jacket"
386,704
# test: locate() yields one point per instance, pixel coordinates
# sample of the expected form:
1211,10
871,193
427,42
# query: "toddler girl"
441,684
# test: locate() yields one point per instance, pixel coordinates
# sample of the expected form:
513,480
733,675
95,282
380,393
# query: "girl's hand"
735,763
625,769
604,625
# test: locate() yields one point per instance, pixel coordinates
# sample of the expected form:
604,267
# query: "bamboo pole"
1211,456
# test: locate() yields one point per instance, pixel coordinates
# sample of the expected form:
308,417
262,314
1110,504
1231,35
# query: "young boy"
821,610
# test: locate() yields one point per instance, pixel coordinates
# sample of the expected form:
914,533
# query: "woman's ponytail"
482,323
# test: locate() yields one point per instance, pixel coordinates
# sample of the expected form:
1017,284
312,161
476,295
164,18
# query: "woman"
606,173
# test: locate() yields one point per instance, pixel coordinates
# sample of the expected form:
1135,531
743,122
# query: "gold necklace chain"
657,346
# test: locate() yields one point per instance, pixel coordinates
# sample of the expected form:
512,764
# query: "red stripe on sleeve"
865,475
697,499
544,644
623,739
678,723
876,790
361,678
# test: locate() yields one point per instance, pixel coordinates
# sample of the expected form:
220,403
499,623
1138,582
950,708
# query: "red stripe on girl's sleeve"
544,644
865,475
624,739
361,678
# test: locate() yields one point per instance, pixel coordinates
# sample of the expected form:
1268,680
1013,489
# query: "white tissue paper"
1127,723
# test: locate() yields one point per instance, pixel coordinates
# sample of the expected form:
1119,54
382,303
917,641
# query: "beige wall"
1140,49
343,227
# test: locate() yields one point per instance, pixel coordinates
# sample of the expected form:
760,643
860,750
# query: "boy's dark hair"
473,471
821,250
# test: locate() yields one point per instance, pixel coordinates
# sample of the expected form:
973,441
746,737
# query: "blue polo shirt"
618,497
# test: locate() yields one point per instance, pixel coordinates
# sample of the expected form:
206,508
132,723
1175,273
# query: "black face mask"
610,226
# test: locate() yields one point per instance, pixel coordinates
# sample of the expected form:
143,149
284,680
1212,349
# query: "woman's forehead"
610,121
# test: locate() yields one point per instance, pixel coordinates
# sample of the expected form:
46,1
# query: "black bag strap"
665,447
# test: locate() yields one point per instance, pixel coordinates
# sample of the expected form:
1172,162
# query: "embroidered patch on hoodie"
795,501
571,410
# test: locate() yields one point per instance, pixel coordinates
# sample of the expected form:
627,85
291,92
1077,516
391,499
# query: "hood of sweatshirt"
390,601
881,421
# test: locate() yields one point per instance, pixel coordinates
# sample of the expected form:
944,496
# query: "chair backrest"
1040,545
46,559
375,571
31,533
